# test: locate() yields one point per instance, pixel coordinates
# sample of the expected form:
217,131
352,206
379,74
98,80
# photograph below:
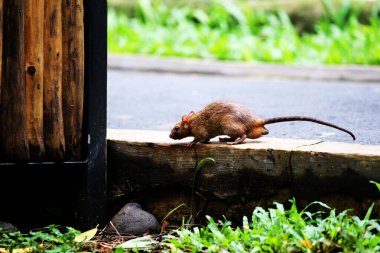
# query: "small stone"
132,219
7,227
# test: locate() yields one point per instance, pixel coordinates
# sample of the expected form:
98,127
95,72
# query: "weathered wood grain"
73,76
34,55
13,117
241,170
149,166
53,118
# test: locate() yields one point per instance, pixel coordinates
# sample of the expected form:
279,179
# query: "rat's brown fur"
232,119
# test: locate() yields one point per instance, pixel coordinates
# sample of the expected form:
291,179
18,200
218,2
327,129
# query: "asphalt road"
156,101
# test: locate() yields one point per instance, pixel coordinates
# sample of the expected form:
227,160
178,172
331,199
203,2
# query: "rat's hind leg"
227,139
257,132
241,139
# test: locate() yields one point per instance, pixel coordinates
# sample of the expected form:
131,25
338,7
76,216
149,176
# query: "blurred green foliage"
224,30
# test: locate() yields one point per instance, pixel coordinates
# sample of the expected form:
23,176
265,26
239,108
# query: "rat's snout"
264,131
174,134
171,135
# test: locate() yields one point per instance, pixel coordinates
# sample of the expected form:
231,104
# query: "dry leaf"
307,243
86,236
165,223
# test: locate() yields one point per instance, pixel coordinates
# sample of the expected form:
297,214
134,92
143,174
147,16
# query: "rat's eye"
176,128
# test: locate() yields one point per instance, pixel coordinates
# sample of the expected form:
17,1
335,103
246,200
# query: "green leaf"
369,212
316,203
375,183
172,211
198,168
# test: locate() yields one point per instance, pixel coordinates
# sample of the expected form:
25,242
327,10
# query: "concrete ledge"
260,170
255,70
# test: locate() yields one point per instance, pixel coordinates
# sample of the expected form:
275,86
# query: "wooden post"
34,22
13,117
73,76
53,119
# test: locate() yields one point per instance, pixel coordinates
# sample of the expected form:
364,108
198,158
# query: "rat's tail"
301,118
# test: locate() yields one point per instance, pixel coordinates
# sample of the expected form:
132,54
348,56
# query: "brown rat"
232,119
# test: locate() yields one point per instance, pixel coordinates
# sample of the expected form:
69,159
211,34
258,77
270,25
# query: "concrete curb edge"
252,70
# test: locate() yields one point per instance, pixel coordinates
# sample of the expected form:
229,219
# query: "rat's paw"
222,139
226,139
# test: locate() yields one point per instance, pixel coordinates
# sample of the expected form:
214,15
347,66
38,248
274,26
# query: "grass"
274,229
316,228
50,239
228,32
280,230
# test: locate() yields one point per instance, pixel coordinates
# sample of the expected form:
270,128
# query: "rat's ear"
185,122
186,125
191,114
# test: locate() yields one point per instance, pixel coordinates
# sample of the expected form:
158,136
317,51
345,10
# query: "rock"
7,227
132,219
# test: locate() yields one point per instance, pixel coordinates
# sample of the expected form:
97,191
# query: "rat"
232,119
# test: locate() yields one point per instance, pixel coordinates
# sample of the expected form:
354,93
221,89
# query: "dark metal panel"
33,195
95,29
